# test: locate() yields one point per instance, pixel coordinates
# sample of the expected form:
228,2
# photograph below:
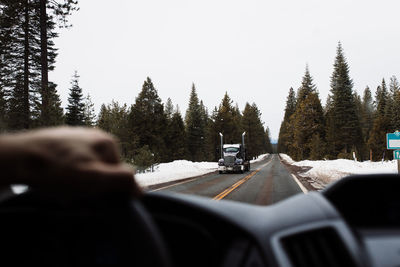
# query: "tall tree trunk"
44,63
25,104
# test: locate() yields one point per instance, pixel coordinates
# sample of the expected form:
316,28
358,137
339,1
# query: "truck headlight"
238,161
221,162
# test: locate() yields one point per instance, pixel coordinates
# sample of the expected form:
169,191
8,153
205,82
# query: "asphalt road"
267,182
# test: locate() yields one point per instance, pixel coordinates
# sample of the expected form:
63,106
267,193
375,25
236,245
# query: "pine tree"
228,121
3,111
195,128
367,118
21,63
169,108
381,125
212,137
307,86
60,11
147,121
268,144
345,132
309,125
395,93
144,158
103,121
255,138
307,121
76,106
285,132
56,116
176,137
114,118
89,115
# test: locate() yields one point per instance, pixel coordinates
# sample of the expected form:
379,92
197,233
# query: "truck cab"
233,159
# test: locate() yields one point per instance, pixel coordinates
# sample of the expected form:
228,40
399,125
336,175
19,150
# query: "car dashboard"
355,222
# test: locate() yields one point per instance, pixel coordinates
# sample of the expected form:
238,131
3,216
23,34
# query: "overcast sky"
254,50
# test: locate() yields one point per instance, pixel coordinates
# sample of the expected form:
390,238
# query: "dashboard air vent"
320,247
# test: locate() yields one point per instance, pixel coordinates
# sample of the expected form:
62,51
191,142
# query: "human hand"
76,160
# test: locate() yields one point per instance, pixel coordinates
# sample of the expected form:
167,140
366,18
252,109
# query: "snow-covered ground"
327,171
179,169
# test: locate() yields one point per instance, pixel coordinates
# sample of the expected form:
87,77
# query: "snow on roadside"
180,169
327,171
259,158
176,170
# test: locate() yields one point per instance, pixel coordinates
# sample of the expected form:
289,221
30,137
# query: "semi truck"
233,157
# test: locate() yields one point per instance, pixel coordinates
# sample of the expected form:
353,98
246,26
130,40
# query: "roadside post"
393,142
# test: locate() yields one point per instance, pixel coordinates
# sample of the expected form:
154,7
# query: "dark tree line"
347,124
27,53
151,132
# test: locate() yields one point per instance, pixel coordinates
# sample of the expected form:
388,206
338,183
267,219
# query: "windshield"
309,89
231,149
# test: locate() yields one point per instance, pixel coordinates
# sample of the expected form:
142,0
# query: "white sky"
254,49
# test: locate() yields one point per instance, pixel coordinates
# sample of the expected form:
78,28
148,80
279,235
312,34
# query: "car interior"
353,222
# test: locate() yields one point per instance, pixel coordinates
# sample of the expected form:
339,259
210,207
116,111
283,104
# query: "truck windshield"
231,149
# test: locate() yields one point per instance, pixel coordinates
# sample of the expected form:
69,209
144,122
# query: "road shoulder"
298,175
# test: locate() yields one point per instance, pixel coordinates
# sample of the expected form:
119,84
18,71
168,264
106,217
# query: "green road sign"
396,154
393,140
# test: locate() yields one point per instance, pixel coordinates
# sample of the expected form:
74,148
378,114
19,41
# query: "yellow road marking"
236,185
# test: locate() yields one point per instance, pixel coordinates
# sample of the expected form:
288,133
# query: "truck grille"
229,160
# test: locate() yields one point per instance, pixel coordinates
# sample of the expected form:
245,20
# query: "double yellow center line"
236,185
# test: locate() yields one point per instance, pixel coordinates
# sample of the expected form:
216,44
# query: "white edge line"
168,186
305,191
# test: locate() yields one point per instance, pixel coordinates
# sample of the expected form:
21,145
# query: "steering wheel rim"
109,229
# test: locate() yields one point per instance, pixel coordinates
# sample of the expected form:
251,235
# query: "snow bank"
259,158
327,171
176,170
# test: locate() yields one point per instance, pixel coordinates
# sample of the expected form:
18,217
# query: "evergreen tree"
307,122
169,108
204,124
367,118
268,144
56,116
285,132
103,119
381,125
19,71
345,132
60,10
3,111
144,158
195,128
395,93
212,137
255,137
227,121
176,137
75,110
113,118
20,68
309,127
147,121
89,115
307,86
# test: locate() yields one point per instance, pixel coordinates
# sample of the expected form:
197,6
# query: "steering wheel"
39,229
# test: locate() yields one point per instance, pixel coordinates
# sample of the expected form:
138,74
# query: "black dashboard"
355,222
